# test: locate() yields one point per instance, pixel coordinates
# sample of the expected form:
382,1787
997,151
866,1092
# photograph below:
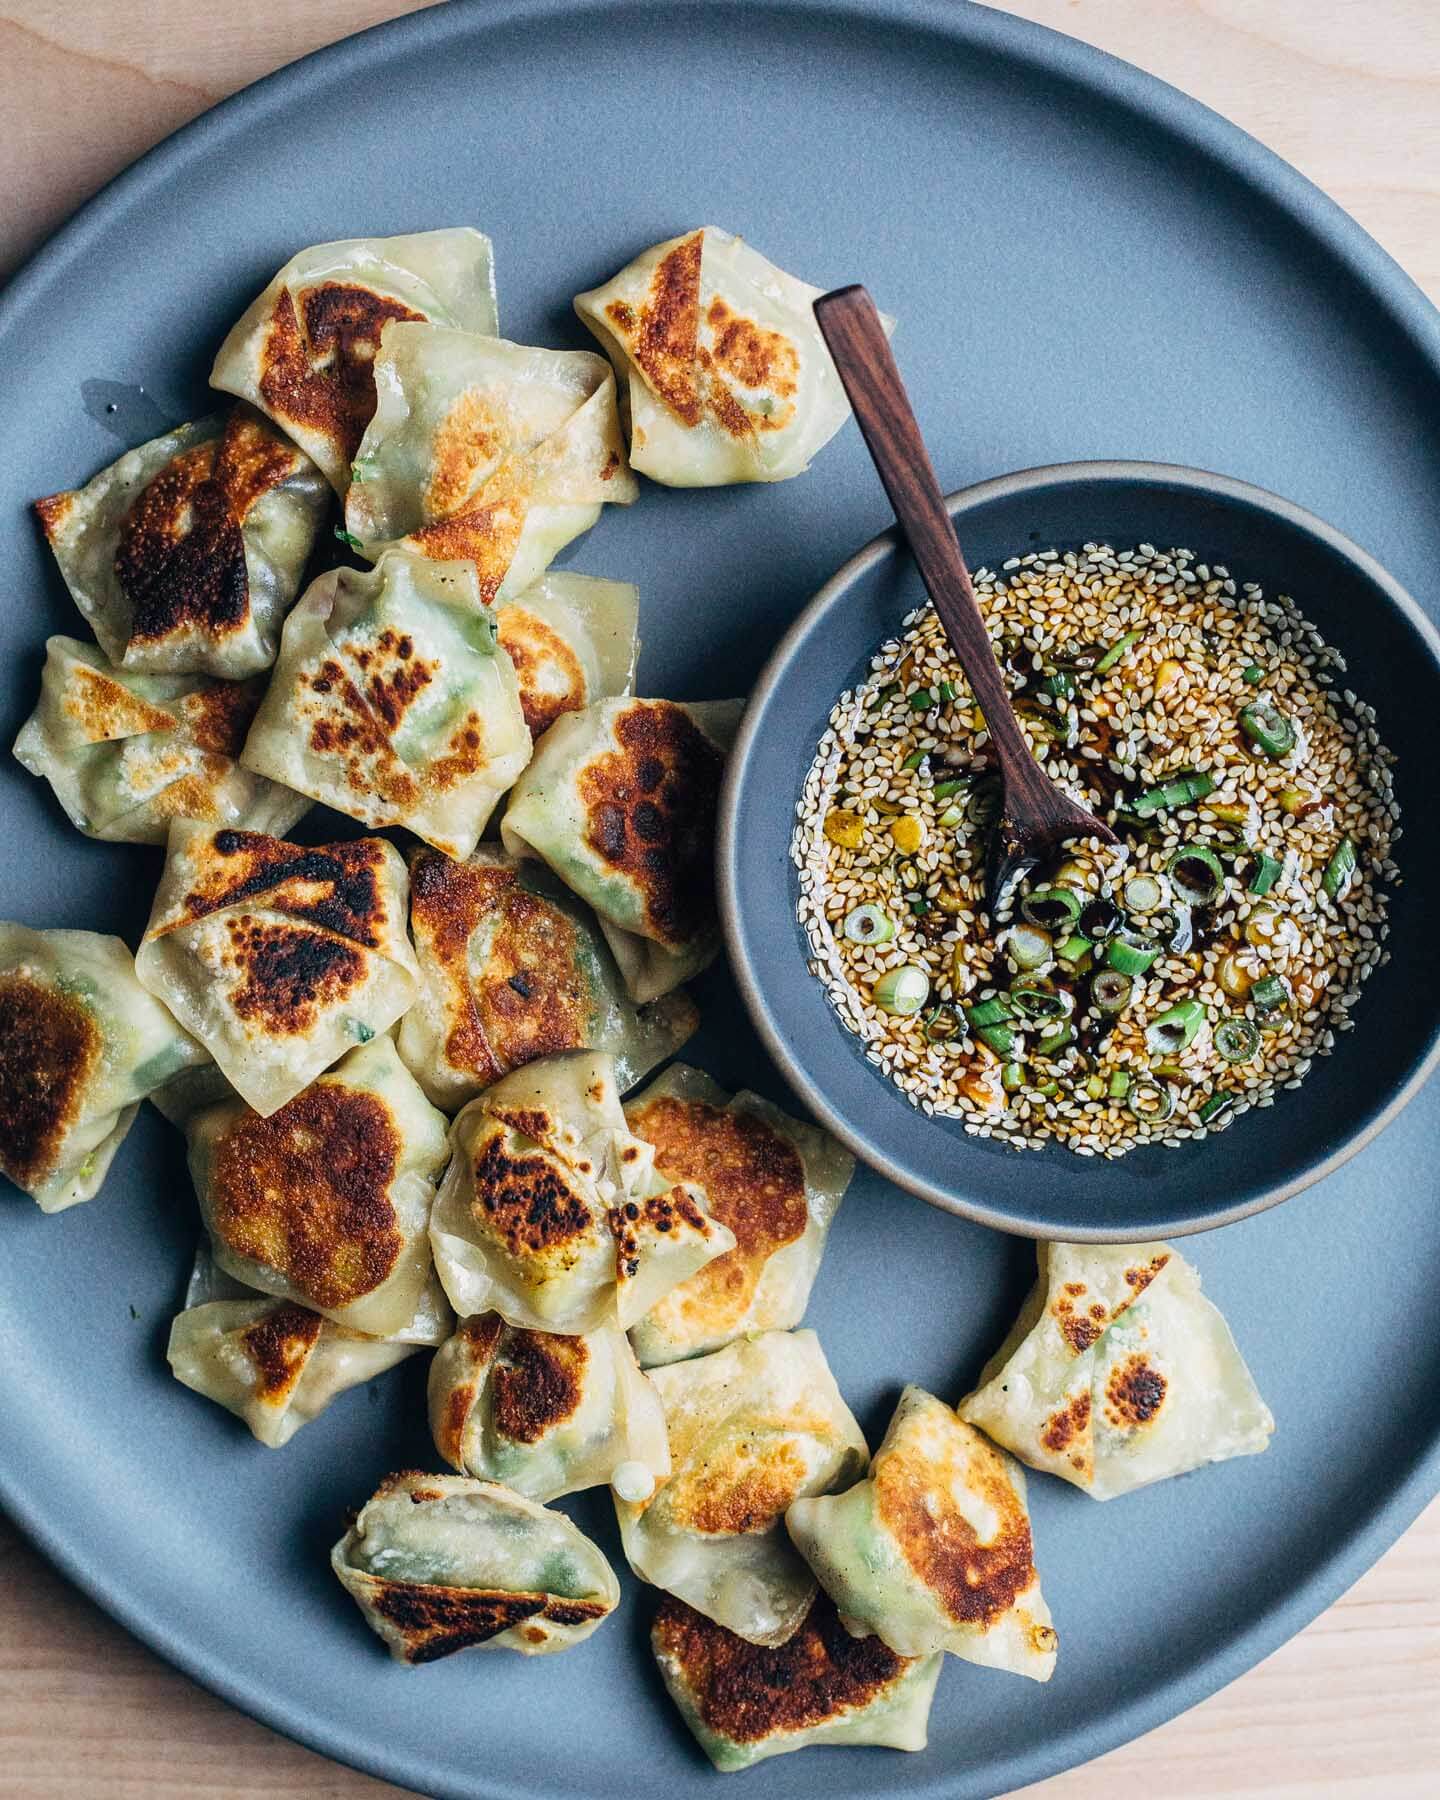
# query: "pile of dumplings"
410,1078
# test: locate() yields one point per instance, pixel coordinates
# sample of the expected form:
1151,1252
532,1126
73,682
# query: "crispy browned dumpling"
438,1563
278,956
747,1701
512,968
185,553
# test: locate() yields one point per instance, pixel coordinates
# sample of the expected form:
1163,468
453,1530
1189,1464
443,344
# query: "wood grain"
1348,91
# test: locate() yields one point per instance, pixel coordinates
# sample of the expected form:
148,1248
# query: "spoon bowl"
1393,653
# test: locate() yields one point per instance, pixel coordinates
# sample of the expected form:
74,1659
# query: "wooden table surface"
1349,91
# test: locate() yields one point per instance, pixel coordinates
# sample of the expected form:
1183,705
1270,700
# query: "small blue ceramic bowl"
1393,653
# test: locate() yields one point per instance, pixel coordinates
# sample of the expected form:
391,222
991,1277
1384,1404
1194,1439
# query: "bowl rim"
868,556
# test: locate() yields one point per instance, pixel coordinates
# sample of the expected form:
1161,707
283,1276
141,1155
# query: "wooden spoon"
1036,817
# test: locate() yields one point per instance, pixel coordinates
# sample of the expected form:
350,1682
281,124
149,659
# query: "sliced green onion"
947,690
1012,1076
943,1024
1198,874
1046,1090
942,790
1214,1106
1055,907
1117,650
1236,1039
347,537
1074,950
1253,675
1119,1084
1095,1088
1152,1102
1111,991
903,991
990,1012
919,905
1339,869
1267,727
1131,954
1143,893
1101,919
1171,1071
914,759
1171,926
1039,1003
868,924
1176,1028
1000,1038
1270,992
950,818
1265,873
1233,812
1179,791
1029,946
1058,1038
1061,684
921,700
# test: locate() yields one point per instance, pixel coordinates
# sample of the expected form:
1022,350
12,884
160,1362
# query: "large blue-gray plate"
1085,265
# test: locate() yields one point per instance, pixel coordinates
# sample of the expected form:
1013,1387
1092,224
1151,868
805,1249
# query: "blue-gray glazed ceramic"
1392,652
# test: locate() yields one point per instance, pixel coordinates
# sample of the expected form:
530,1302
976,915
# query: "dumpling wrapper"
279,957
745,1702
392,702
488,450
553,1215
184,554
723,370
573,640
1119,1372
277,1365
620,800
753,1428
546,1415
512,968
327,1201
933,1550
439,1563
81,1045
127,753
775,1182
304,350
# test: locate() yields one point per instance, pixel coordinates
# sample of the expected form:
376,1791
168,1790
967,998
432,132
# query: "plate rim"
1106,79
872,555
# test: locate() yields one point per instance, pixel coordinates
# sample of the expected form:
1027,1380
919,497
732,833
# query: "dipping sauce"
1145,992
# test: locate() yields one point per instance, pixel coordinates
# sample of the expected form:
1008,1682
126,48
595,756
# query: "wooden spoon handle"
851,327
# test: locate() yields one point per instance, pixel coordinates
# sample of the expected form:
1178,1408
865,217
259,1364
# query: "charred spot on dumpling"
1134,1394
662,336
54,512
50,1046
1138,1278
279,1346
1070,1425
650,814
104,709
321,373
744,1487
218,716
537,1384
471,437
487,532
336,887
976,1581
525,1199
307,1192
551,679
748,1692
437,1621
754,1182
286,975
760,359
180,555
